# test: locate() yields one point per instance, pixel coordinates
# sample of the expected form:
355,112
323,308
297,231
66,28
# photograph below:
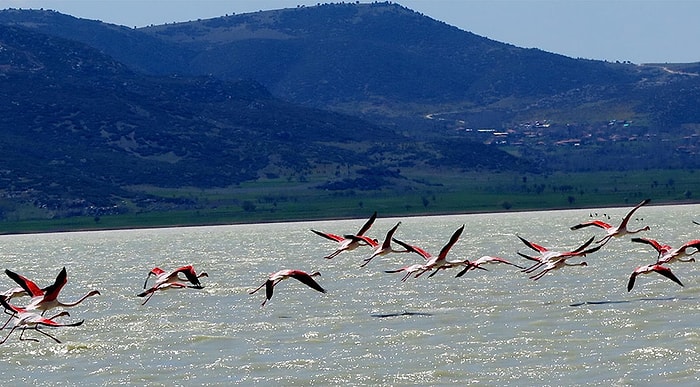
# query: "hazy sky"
641,31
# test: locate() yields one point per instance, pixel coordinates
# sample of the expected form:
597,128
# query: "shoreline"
57,230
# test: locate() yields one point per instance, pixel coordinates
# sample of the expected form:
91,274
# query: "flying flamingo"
664,271
553,260
555,265
618,231
408,269
383,249
47,298
173,276
163,286
275,278
171,280
486,259
349,244
30,320
667,254
438,262
547,255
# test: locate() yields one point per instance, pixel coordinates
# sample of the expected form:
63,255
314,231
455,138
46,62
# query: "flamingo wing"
156,271
363,238
28,285
307,280
8,306
367,224
629,214
666,272
51,323
651,242
52,291
453,239
333,237
412,248
390,234
597,223
531,245
584,245
190,274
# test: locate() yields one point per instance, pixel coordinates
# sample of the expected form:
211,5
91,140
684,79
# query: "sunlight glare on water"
578,325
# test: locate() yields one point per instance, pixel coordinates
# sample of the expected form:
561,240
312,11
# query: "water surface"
577,326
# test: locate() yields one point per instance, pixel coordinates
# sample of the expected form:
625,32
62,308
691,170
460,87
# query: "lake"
575,326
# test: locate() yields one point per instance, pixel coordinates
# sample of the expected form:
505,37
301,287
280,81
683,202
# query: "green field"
283,200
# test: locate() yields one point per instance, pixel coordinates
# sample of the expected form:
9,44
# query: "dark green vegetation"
317,112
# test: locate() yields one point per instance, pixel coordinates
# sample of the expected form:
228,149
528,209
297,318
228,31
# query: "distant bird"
30,320
171,280
173,276
349,244
383,249
667,254
47,298
438,262
653,268
275,278
618,231
486,259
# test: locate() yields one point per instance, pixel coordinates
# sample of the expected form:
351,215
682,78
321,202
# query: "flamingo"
618,231
163,286
47,298
486,259
173,276
349,244
553,260
408,269
654,267
548,256
667,254
438,262
171,280
555,265
299,275
30,320
383,249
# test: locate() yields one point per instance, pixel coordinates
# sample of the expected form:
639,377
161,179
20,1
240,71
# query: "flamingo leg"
8,320
333,254
258,288
540,274
8,335
46,334
533,267
21,335
149,297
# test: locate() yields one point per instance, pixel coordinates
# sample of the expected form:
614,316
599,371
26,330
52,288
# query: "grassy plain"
279,200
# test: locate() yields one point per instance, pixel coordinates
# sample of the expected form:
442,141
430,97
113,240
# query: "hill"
100,119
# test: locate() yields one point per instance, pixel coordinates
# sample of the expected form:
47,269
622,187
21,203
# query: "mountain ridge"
303,94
